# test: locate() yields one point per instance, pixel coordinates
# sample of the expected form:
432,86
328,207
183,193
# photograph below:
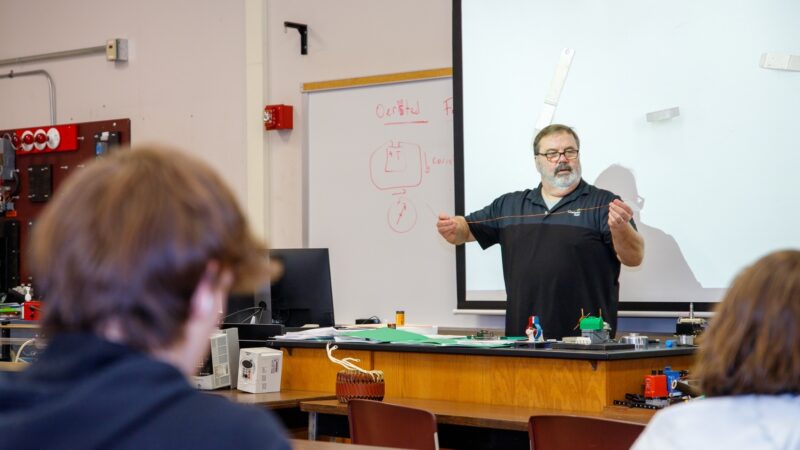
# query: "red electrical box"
32,310
278,117
655,386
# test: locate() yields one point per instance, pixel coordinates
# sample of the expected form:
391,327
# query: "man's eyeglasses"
553,155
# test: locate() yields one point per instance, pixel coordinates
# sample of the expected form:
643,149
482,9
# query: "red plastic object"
655,386
31,310
278,117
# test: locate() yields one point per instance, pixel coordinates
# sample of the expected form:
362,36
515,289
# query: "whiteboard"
711,186
379,162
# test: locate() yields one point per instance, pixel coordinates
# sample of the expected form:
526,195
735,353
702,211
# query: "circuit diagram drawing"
397,167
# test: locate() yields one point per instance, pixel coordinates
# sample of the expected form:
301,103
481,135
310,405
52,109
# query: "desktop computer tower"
220,369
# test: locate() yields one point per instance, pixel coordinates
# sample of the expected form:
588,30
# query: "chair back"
572,432
386,425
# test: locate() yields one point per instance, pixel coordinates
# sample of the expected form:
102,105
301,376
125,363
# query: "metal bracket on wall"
303,30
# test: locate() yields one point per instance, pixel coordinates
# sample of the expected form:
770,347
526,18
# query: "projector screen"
687,109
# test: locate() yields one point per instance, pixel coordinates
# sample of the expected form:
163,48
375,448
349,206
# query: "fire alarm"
278,117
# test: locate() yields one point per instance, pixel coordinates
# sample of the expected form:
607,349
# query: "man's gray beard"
565,181
562,182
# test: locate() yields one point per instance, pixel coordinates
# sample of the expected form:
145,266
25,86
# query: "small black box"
367,321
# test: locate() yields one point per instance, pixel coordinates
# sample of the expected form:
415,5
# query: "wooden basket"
351,384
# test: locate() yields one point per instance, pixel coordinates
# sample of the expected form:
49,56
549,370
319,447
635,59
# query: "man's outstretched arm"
454,229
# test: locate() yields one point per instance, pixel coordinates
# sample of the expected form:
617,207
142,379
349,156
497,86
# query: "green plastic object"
591,323
386,335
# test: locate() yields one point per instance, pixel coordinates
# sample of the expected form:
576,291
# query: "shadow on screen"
664,275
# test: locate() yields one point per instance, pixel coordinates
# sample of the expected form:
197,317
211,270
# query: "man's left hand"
619,214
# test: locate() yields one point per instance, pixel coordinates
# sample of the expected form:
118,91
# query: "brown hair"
752,345
128,238
554,129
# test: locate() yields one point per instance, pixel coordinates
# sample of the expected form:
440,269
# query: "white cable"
21,348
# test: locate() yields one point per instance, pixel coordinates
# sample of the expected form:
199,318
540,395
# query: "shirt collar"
535,196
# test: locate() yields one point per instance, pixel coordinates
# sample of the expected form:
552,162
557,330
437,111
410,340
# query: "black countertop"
594,355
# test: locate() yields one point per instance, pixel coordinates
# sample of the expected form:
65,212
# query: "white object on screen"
780,61
556,85
663,114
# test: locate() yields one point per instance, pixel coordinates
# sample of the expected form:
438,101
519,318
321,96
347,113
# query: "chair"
572,432
386,425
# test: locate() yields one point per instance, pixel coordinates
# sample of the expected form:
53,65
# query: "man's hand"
454,229
619,214
627,241
448,228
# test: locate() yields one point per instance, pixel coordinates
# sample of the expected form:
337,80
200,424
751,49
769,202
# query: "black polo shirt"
557,261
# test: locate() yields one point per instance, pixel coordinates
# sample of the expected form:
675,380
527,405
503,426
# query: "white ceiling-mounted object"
556,85
780,61
663,114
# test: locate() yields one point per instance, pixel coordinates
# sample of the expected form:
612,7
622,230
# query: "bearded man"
562,243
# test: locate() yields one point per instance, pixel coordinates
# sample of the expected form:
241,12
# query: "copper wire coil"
351,384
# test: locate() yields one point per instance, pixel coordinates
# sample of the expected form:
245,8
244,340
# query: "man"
134,258
562,243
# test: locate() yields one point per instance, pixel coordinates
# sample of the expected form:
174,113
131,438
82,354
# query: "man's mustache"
560,167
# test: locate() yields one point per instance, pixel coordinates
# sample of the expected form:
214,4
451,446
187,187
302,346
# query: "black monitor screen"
302,294
249,308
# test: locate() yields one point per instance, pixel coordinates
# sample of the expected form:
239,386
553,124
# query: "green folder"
385,335
394,336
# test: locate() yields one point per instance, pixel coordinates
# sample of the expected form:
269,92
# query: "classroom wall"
347,38
350,38
200,70
184,83
189,81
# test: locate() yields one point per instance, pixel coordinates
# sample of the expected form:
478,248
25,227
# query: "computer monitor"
252,308
251,314
302,295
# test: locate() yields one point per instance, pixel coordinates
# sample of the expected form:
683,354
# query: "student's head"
139,246
752,345
555,150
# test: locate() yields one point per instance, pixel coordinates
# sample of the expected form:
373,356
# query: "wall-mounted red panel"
76,147
45,139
